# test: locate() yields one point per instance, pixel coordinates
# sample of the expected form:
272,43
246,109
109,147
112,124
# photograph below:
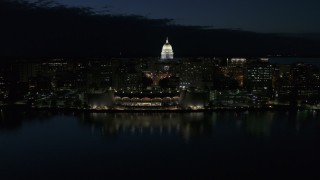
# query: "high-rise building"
305,80
100,74
258,76
3,89
191,73
235,69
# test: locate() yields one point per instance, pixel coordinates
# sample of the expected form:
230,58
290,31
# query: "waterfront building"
194,99
100,74
305,80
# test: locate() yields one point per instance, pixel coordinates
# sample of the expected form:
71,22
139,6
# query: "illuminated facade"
258,76
191,74
167,52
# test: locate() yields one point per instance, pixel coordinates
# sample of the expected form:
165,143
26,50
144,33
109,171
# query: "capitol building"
167,52
149,83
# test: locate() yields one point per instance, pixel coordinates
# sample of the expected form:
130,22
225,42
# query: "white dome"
167,52
167,47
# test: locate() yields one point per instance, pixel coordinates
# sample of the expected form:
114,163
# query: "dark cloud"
47,29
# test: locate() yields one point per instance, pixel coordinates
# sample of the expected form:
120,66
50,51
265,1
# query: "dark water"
293,60
223,145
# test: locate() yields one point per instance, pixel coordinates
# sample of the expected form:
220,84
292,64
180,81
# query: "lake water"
293,60
226,145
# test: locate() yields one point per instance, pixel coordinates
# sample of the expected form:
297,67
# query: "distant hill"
311,36
37,30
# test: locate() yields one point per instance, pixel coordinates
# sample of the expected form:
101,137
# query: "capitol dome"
167,52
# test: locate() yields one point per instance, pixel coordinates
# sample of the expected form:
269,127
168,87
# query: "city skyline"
150,89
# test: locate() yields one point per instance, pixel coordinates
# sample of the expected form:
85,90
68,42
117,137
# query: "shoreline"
252,109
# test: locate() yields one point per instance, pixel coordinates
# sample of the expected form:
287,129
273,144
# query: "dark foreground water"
227,145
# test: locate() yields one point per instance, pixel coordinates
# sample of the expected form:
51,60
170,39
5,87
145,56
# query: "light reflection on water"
187,145
187,125
184,125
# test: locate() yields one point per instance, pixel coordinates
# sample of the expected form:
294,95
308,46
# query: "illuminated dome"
167,52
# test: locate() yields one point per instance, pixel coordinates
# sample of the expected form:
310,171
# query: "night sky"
138,28
280,16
